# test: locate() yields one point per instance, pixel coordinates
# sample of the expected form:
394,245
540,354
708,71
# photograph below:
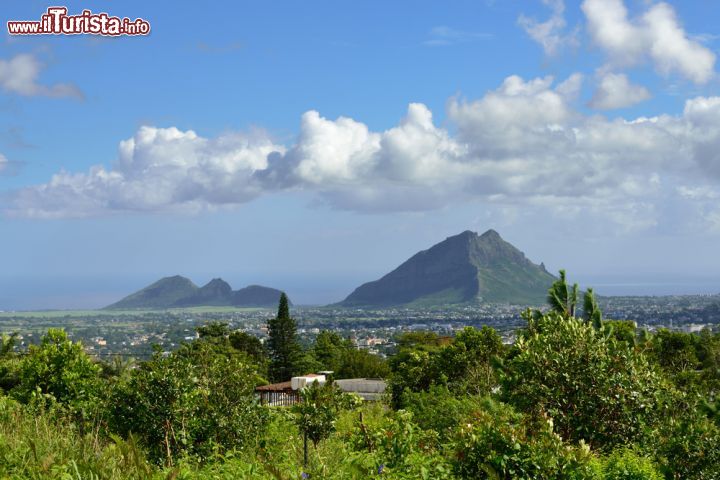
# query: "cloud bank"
524,143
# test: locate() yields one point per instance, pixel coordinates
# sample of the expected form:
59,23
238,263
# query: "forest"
576,396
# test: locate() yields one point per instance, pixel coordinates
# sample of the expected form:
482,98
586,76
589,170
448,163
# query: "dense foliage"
194,401
575,397
594,387
58,370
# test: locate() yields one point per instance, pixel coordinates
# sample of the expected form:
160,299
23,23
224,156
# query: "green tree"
219,337
420,339
338,354
192,402
249,344
467,362
563,298
283,347
328,350
7,345
622,330
60,368
594,387
214,332
676,352
358,363
591,310
9,362
464,364
317,412
687,445
414,368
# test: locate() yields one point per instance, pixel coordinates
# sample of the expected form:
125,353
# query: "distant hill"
464,268
178,291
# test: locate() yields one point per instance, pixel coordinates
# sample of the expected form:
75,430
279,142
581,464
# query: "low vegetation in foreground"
575,397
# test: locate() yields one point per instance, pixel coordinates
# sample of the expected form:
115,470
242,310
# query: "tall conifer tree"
283,346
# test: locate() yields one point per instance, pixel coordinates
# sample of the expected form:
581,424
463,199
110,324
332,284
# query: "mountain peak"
491,234
470,235
464,268
217,283
175,278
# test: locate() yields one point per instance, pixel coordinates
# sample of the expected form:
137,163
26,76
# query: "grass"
44,445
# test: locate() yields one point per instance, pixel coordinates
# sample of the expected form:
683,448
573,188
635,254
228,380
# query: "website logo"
57,22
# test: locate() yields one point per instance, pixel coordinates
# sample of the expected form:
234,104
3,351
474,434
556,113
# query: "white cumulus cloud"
524,144
156,169
616,91
656,35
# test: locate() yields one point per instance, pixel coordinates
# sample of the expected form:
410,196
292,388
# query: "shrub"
595,388
317,412
59,370
496,442
468,361
397,448
688,447
464,365
439,410
192,402
625,464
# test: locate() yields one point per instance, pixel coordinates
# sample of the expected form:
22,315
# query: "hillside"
178,291
463,268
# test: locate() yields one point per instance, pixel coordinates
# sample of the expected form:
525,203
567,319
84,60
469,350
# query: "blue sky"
315,146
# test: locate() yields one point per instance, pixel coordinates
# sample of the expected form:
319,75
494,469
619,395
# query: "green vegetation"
196,401
575,397
283,345
595,388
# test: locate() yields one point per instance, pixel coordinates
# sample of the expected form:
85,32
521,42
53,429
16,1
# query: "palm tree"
591,310
562,298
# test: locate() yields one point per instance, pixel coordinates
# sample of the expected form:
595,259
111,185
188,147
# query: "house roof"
274,387
279,387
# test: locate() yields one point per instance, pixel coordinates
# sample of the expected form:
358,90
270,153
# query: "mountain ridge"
463,268
177,291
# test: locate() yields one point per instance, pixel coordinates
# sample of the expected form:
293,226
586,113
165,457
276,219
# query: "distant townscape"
469,279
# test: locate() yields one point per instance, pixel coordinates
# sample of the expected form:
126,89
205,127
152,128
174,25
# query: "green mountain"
161,294
216,292
464,268
256,296
177,291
